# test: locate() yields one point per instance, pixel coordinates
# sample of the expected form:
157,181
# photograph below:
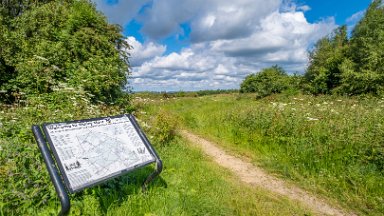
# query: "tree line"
338,64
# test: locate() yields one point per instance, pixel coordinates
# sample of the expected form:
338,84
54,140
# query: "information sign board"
93,150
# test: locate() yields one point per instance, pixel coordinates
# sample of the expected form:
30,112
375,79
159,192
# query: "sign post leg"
53,173
159,163
159,168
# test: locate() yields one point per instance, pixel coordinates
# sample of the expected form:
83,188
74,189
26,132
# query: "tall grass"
190,184
330,145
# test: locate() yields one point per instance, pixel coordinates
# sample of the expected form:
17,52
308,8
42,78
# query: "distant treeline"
165,94
338,64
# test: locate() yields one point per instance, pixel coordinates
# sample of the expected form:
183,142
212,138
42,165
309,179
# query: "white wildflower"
280,106
146,125
40,58
334,111
312,119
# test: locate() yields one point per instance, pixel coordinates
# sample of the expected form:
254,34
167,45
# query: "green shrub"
68,42
163,127
269,81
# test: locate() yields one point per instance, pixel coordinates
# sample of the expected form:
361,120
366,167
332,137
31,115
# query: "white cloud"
192,68
355,17
141,53
228,20
209,19
304,8
230,39
280,38
278,33
122,12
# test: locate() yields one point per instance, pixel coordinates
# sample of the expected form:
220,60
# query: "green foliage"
268,81
323,72
364,72
58,42
163,127
367,42
362,82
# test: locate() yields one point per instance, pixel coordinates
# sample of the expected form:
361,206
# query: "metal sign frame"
61,182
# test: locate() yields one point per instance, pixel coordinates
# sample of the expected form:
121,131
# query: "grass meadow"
332,146
190,184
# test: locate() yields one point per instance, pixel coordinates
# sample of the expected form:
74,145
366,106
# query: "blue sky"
213,44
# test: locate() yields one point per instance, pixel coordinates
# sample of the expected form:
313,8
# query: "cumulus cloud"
355,17
280,38
304,8
229,40
122,11
141,53
209,19
193,68
164,18
226,20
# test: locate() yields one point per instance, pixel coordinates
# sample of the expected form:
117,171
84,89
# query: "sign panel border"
59,163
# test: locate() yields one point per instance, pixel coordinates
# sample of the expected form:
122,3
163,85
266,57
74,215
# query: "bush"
164,128
269,81
71,43
359,83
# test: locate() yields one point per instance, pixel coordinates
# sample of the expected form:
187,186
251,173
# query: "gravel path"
254,175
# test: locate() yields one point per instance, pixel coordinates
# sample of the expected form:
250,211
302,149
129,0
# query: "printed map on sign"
94,150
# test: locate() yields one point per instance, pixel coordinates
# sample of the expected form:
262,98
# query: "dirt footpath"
254,175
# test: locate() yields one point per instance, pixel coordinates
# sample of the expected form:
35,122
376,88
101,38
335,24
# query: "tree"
367,42
268,81
323,73
350,66
363,72
48,45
